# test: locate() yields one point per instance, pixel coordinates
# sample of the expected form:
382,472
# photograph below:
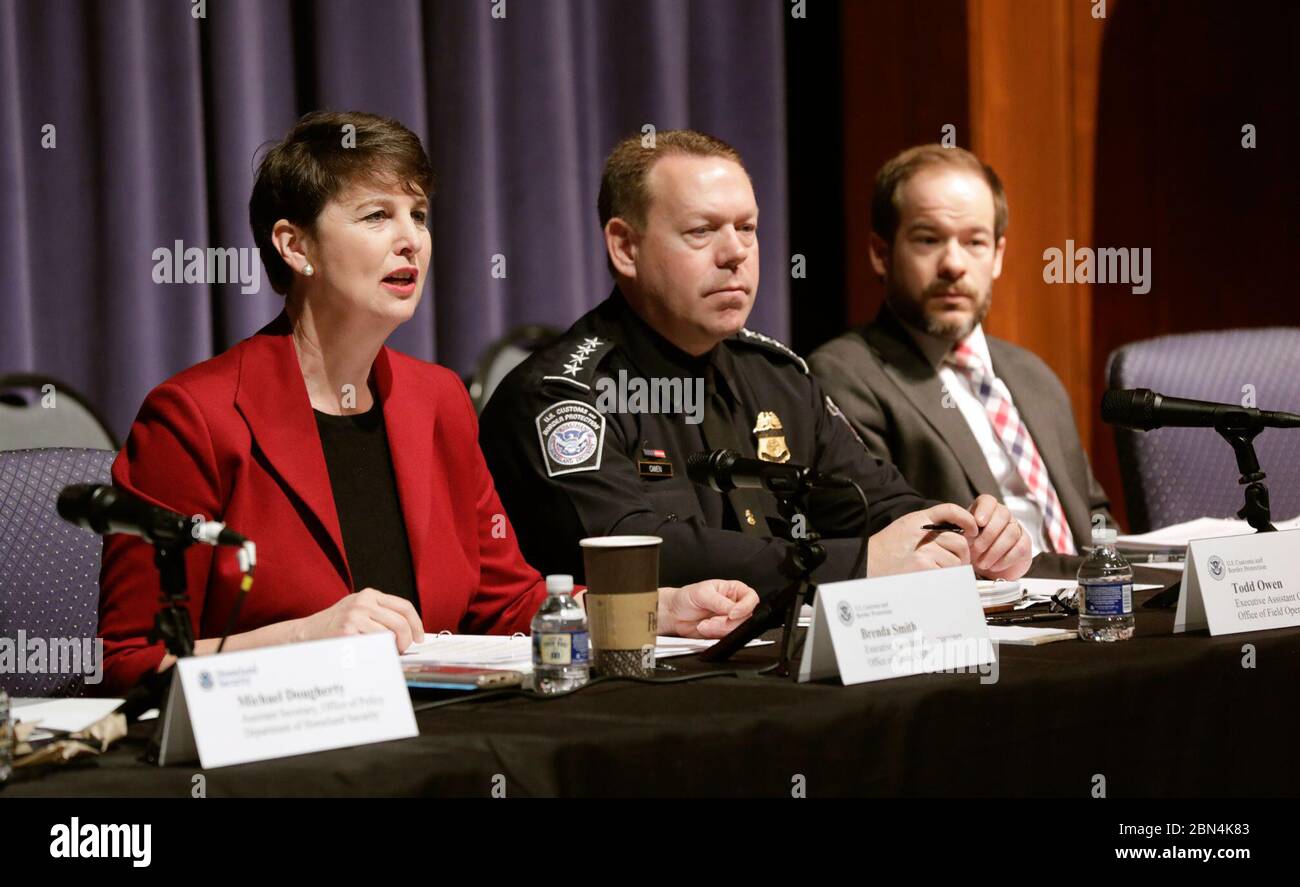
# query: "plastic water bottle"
1105,591
6,737
561,645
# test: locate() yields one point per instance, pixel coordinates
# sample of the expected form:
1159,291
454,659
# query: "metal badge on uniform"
771,438
654,463
571,434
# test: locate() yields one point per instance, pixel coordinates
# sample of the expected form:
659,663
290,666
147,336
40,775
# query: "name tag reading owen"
1241,583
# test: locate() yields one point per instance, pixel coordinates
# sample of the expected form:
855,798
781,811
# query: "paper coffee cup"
622,602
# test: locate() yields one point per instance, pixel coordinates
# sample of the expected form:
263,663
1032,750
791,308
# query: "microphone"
726,470
106,509
1142,410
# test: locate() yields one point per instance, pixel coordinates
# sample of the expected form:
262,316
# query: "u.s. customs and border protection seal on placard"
771,438
1217,570
571,434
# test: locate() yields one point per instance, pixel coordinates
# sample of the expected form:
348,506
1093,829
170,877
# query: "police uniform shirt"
575,451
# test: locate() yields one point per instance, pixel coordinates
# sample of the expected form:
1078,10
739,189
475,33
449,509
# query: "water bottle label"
1106,600
561,648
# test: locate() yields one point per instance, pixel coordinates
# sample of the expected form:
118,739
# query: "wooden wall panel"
904,78
1028,112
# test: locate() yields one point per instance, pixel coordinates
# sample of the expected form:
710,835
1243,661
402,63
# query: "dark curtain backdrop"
158,118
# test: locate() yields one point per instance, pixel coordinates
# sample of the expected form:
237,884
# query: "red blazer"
234,439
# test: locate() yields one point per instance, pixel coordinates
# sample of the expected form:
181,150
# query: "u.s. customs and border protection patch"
571,434
770,436
834,409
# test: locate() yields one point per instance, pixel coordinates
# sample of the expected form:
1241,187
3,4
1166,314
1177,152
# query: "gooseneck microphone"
726,470
106,509
1142,410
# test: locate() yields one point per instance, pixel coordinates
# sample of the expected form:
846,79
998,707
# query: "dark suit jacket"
893,396
234,438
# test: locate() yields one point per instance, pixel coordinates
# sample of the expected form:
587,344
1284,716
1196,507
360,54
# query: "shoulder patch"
571,434
579,367
759,340
834,409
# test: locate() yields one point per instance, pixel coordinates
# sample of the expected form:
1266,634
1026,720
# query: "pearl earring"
308,269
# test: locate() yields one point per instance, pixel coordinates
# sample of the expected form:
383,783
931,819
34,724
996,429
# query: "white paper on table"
1028,635
667,648
1178,535
1172,566
1043,589
515,653
1036,591
68,715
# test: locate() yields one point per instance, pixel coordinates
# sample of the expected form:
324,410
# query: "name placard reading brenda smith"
893,626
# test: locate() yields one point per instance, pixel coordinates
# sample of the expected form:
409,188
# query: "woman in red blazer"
239,438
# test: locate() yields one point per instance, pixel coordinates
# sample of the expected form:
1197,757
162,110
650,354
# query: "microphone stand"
807,555
1256,511
783,607
171,625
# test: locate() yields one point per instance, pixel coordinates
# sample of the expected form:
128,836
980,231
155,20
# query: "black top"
569,463
365,497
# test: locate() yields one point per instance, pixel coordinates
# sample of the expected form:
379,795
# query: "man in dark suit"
959,413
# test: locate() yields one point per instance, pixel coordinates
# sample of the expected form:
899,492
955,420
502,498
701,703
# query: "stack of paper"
1177,536
998,592
1028,636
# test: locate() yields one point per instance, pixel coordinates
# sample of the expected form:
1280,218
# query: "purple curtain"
129,125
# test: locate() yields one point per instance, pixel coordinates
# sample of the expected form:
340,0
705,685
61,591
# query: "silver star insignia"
571,369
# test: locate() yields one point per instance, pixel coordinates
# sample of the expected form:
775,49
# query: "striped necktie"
1015,439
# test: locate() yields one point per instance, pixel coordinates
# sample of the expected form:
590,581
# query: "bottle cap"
560,583
1105,535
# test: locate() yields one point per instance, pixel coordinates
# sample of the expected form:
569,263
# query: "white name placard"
273,702
916,623
1241,583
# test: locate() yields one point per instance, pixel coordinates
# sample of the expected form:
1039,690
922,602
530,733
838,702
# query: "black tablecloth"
1161,715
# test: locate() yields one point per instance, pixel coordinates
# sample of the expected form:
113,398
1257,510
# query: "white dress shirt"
1011,486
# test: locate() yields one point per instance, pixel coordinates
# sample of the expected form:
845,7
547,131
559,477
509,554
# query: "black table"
1162,715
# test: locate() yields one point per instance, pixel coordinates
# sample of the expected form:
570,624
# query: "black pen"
945,528
1022,620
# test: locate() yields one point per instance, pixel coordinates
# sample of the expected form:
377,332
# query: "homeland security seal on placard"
571,434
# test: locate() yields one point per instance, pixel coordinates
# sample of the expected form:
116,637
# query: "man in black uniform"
590,436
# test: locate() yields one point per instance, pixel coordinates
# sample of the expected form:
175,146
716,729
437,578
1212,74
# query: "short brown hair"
902,167
317,161
623,191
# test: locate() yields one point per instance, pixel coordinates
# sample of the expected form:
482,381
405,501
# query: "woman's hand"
365,612
708,609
